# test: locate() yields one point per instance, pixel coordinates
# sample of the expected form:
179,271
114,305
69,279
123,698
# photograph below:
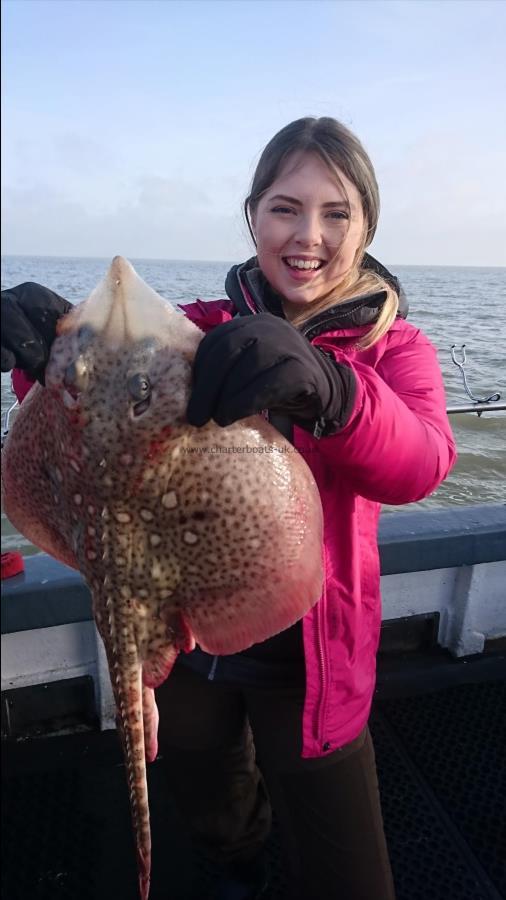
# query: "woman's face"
300,224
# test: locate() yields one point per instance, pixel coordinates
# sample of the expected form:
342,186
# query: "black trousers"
232,750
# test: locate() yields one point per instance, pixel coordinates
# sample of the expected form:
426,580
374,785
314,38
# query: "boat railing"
442,572
478,405
478,408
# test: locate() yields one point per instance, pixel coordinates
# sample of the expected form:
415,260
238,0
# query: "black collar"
363,310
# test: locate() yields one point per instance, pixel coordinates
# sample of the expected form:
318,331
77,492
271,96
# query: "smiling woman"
312,210
307,245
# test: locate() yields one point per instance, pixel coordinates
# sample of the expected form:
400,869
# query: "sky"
134,126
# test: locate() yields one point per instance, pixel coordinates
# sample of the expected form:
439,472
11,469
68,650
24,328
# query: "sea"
453,306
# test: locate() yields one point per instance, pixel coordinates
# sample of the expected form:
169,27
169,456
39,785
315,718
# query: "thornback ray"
185,536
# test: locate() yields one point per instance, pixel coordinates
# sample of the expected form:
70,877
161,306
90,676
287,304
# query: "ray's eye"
139,388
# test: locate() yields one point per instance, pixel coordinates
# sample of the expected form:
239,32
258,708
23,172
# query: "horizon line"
229,262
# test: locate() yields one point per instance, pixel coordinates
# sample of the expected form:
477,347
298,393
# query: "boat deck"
441,760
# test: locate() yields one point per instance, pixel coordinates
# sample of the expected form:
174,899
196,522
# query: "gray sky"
134,127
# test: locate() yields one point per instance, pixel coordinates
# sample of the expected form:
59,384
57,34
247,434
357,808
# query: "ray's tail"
126,678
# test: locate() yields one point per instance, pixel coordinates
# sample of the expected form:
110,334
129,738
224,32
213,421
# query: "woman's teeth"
303,263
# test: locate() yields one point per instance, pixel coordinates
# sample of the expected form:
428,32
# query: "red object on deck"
21,384
12,564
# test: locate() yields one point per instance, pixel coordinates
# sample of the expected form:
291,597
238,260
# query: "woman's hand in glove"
262,362
29,316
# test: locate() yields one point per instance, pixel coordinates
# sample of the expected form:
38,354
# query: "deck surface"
441,761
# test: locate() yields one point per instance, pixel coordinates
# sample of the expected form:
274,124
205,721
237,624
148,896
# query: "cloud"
165,220
441,206
159,195
81,154
443,200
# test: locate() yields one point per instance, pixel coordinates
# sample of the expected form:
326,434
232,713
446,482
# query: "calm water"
451,305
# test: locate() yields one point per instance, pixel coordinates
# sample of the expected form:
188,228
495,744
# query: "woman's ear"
251,219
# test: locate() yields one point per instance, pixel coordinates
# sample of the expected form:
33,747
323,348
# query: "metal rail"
479,404
477,408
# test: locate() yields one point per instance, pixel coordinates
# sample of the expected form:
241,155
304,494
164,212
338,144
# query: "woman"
314,332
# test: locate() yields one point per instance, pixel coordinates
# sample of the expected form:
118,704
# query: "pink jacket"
396,448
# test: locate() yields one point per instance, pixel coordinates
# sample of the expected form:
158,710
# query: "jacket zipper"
309,326
322,706
333,319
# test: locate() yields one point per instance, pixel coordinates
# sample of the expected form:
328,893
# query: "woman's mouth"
303,269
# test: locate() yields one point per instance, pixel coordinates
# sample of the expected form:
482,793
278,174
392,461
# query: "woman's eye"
335,214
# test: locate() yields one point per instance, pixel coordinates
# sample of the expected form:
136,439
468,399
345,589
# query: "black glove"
29,316
262,362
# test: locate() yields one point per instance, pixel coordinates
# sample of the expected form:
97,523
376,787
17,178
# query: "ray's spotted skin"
210,536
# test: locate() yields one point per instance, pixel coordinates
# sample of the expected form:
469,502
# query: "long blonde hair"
342,152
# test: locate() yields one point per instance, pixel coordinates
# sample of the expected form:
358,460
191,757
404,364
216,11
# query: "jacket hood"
248,288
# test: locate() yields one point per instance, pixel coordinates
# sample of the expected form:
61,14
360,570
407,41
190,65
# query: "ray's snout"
123,309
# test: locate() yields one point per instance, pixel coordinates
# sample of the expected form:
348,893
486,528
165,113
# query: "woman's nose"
309,231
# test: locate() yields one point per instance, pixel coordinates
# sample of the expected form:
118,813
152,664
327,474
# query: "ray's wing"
31,473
